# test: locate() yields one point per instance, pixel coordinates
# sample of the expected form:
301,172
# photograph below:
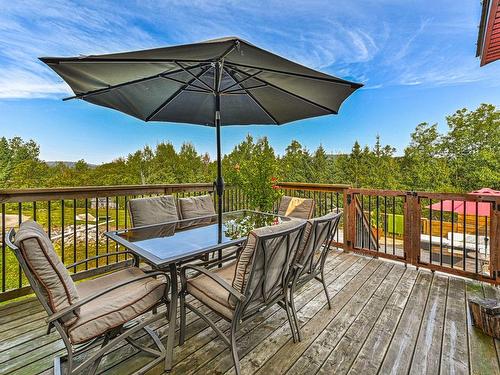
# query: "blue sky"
416,59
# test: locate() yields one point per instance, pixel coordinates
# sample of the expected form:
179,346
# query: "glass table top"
180,240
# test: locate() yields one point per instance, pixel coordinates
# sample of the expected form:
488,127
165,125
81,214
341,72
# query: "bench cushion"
193,207
154,210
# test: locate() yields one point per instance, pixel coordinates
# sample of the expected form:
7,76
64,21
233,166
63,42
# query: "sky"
416,59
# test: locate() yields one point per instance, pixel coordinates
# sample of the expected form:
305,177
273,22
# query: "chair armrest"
219,280
98,257
79,303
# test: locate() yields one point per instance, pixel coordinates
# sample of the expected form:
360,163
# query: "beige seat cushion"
211,293
193,207
154,210
302,208
56,284
116,307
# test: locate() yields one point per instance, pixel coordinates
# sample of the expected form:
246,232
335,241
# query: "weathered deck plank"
385,319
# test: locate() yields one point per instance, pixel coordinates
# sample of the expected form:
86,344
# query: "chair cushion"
154,210
193,207
245,259
302,208
57,286
116,307
211,293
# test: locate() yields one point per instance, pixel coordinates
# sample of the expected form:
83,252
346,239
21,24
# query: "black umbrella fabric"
220,82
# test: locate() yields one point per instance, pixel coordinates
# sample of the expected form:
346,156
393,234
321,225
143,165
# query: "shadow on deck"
385,319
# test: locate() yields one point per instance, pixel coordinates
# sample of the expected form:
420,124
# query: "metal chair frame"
243,310
108,339
306,269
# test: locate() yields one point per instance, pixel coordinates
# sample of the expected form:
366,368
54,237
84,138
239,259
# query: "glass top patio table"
177,241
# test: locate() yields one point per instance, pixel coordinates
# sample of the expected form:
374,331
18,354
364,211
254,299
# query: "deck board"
385,318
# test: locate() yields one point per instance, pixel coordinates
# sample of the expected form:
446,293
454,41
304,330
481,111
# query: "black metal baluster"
441,235
369,222
97,231
385,224
86,232
362,214
116,224
74,233
19,221
107,229
377,212
126,212
477,239
62,230
49,219
34,211
465,234
394,225
4,272
452,231
430,231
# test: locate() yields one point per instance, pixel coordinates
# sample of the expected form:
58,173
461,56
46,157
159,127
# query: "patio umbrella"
219,82
483,208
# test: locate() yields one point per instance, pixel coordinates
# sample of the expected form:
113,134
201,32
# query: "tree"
296,163
472,147
423,166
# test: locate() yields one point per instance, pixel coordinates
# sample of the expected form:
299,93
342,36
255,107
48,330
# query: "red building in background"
488,41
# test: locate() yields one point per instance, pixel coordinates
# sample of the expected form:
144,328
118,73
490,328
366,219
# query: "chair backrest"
153,210
198,206
48,276
301,208
263,266
318,232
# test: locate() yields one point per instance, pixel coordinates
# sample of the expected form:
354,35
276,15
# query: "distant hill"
70,164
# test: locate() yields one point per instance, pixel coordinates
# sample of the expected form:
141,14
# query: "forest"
461,159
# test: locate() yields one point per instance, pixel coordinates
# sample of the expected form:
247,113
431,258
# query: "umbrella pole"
219,182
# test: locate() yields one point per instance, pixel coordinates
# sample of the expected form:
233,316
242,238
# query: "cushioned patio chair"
301,208
254,282
311,256
153,210
195,207
95,315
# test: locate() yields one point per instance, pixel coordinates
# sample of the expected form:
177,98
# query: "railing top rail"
313,186
428,195
26,195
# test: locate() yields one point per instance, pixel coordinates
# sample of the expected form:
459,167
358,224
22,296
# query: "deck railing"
429,230
76,220
405,226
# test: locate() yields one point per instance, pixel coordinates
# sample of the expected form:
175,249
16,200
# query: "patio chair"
96,315
301,208
311,256
254,282
153,210
196,207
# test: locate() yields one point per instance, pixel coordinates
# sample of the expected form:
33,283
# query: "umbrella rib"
187,83
194,76
244,88
144,79
333,79
240,82
289,92
254,99
174,95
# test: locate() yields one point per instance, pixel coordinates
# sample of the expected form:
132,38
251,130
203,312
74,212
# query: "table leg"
172,323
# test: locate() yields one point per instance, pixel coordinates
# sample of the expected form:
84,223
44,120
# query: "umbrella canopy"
468,207
219,82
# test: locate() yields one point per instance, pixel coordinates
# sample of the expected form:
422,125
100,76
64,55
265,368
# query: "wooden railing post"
412,228
348,221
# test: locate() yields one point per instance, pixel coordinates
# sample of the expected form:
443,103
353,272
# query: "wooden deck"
385,319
